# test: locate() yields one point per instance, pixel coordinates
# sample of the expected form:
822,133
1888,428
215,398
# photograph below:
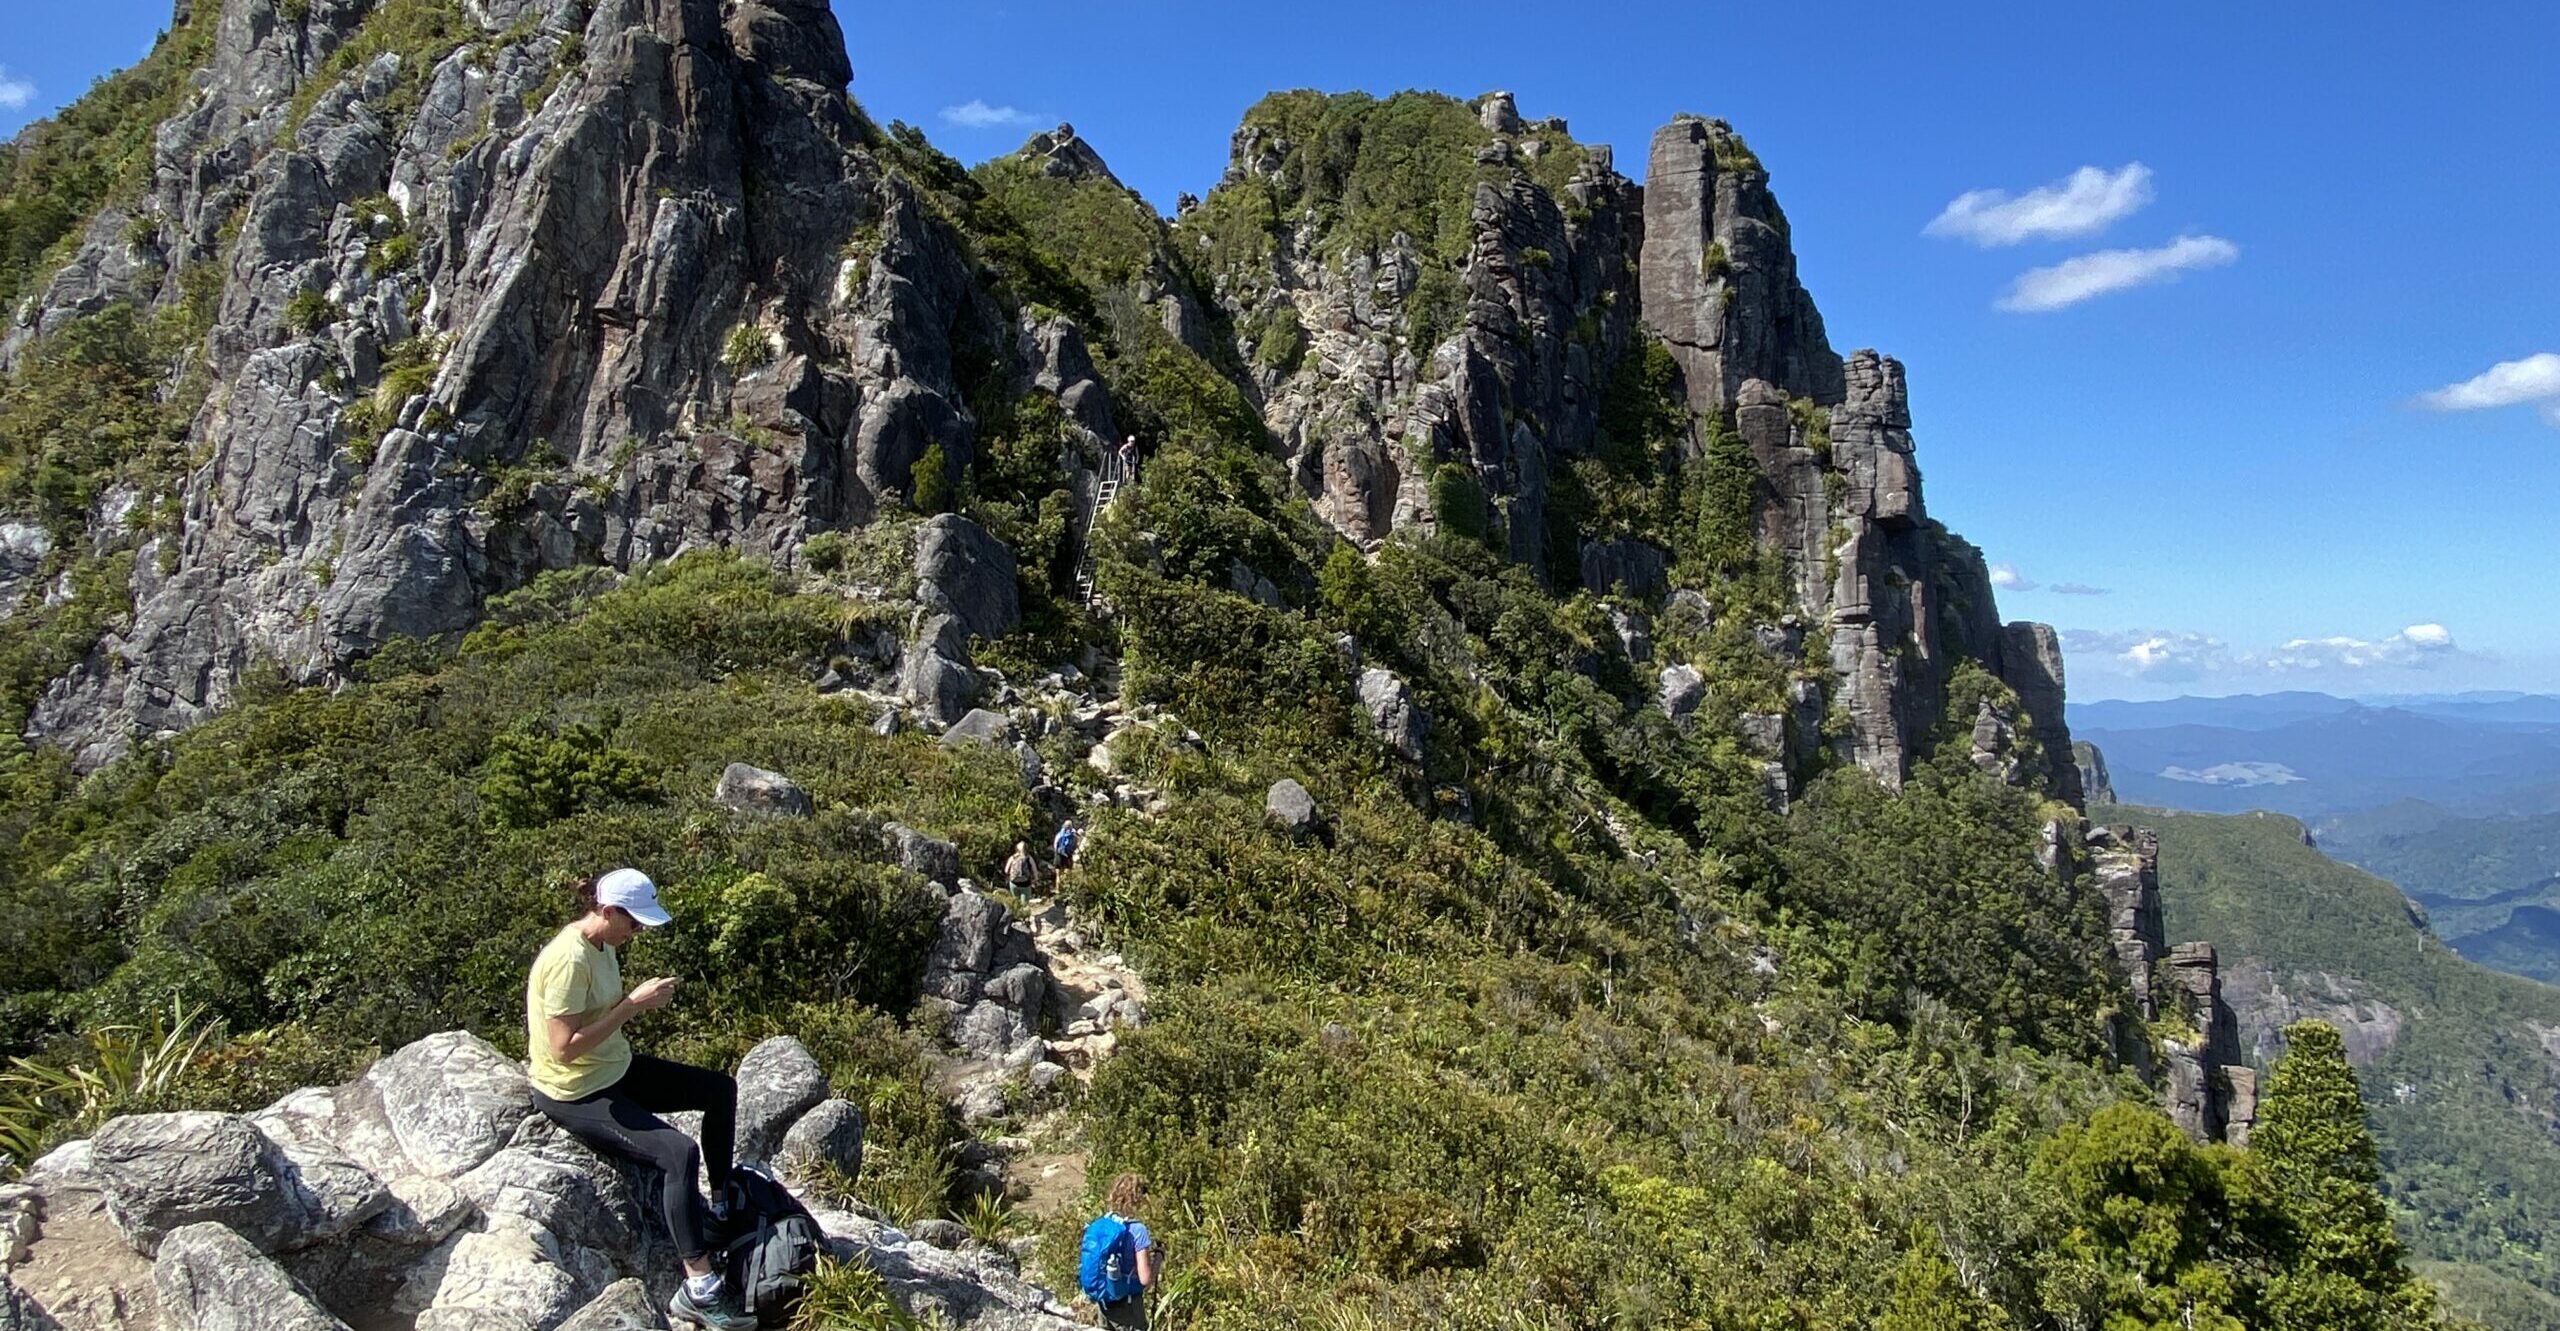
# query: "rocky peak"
1719,272
1062,153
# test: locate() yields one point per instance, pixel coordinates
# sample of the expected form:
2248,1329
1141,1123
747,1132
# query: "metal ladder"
1104,491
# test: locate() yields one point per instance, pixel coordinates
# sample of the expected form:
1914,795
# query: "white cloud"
2074,280
2079,589
2080,204
15,92
2146,654
2008,579
2141,660
2414,647
976,114
2536,378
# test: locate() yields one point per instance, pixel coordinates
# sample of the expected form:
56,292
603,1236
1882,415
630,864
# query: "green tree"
2345,1270
2150,1220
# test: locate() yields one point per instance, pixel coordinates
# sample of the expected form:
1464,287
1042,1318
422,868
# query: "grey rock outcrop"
540,1232
927,857
984,971
1289,805
2095,784
749,789
2125,864
1397,718
19,1310
2211,1091
1376,367
1680,689
1719,272
624,1305
592,291
209,1278
966,573
831,1135
938,678
778,1082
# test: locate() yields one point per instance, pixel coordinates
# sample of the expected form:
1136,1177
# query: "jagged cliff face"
1481,345
575,283
624,278
1556,282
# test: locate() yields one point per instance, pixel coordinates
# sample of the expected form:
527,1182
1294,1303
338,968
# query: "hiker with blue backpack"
1117,1265
1062,849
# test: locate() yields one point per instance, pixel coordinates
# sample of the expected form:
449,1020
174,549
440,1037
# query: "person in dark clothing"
587,1079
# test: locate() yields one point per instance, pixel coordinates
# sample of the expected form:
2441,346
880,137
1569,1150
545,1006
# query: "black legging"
622,1119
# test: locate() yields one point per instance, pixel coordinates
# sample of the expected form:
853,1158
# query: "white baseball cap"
632,890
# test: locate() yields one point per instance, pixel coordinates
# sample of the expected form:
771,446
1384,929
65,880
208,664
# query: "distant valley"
2455,799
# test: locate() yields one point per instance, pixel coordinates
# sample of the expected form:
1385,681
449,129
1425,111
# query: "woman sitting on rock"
586,1078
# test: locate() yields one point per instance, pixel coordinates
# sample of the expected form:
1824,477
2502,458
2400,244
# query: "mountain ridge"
1549,769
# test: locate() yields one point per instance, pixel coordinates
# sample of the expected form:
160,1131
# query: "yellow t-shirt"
573,978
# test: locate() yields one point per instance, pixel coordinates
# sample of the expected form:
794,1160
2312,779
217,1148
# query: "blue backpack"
1107,1268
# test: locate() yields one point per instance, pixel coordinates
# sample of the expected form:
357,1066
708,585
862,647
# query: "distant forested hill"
2460,1065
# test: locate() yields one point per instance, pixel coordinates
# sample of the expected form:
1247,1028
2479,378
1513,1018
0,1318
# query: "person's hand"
653,994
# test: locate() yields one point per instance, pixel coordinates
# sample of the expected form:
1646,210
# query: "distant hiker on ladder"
1128,459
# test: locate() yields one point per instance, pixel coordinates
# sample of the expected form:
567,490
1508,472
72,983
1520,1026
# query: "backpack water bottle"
1107,1264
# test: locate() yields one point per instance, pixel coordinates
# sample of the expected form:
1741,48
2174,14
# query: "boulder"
1762,733
1681,688
778,1081
159,1172
749,789
937,677
624,1306
963,571
831,1135
451,1101
1289,805
928,857
503,1275
208,1278
971,1286
964,949
980,726
20,1312
1400,723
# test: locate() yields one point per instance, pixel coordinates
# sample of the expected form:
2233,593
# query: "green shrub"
310,311
529,780
747,349
930,481
1458,501
1284,342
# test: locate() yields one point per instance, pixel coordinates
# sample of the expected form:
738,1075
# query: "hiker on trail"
1021,870
587,1079
1129,459
1117,1264
1062,849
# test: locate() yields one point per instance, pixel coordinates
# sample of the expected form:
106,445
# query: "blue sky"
2242,456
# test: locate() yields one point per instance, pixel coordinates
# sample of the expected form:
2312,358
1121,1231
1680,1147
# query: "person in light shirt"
587,1079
